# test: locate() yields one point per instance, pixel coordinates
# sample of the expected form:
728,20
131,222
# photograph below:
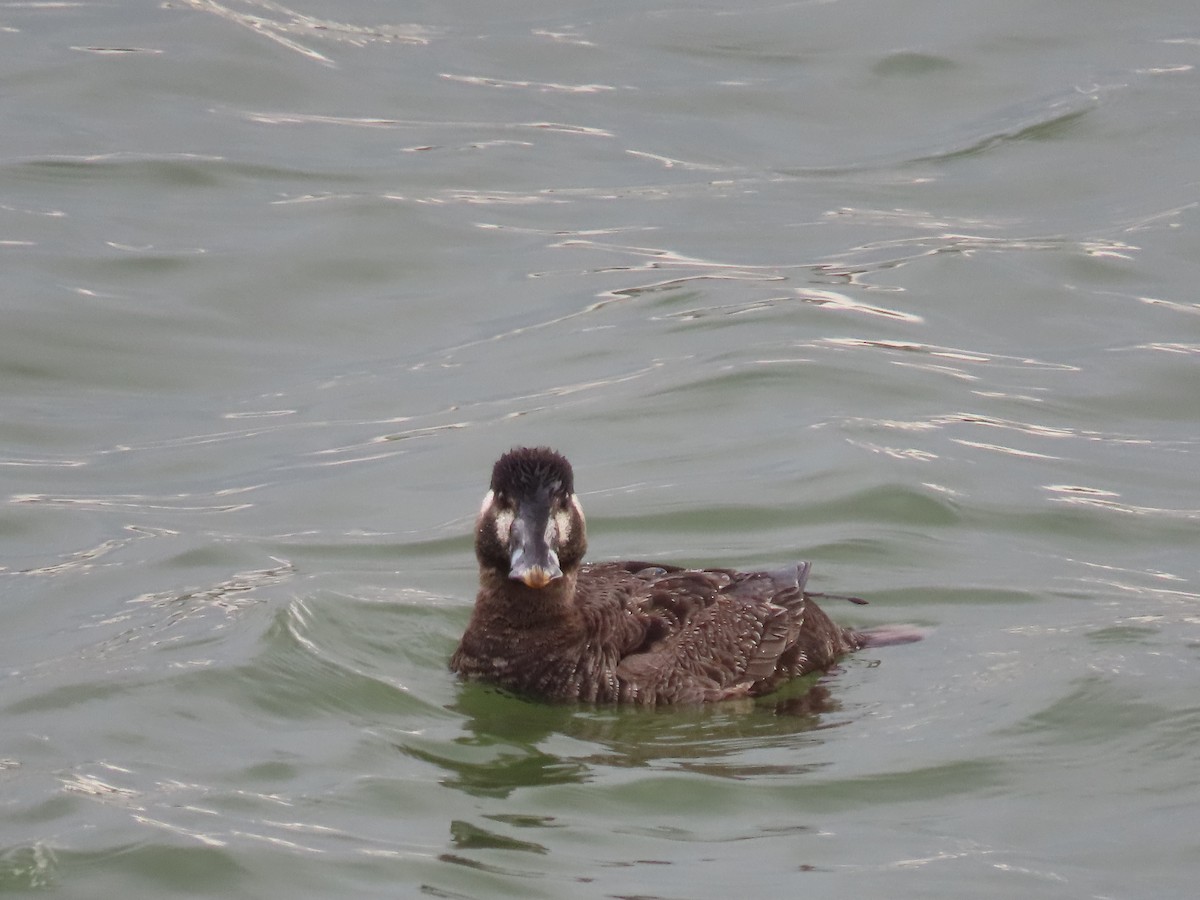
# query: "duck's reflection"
511,742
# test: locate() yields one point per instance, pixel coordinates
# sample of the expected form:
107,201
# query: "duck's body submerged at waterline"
549,625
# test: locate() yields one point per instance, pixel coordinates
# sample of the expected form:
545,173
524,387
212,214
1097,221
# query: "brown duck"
548,624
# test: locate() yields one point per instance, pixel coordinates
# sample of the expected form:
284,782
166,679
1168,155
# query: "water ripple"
953,354
545,86
878,256
285,26
292,118
1074,498
175,502
965,418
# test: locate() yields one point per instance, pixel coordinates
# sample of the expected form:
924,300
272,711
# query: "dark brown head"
530,527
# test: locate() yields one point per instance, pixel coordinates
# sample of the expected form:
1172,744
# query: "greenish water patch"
911,63
1097,710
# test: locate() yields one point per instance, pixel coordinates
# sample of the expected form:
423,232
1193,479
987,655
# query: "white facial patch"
561,522
503,517
504,524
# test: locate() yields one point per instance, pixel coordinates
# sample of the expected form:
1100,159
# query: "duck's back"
711,633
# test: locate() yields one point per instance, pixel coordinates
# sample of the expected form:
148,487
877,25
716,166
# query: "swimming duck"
547,624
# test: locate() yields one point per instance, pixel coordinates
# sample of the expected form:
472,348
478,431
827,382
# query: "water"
907,290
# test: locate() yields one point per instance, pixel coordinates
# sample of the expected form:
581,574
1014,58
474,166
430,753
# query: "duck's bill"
532,561
535,576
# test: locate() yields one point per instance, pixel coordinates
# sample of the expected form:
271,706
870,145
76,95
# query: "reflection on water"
508,735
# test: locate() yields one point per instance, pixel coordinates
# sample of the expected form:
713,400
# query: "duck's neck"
523,607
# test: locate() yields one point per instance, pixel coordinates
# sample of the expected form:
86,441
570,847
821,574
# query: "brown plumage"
547,624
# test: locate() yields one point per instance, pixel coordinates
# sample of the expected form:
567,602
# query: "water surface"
908,291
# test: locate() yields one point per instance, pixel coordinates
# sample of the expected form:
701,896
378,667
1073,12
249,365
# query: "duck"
548,625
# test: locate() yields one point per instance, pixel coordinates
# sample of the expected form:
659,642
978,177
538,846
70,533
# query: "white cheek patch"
503,520
504,523
561,522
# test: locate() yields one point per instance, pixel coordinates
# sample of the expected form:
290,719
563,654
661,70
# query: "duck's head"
530,527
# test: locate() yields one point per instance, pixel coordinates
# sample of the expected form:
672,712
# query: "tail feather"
820,595
886,635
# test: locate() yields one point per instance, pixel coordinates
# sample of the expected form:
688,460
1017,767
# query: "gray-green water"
907,289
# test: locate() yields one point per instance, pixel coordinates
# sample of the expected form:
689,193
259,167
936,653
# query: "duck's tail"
820,595
886,635
880,635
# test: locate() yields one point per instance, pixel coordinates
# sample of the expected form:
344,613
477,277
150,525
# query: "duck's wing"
714,633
